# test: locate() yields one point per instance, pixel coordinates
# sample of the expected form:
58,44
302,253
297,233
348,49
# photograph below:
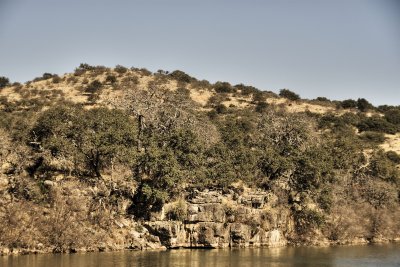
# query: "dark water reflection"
351,256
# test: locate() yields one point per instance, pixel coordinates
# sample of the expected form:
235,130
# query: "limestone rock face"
217,220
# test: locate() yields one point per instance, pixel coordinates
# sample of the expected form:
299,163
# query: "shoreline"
6,252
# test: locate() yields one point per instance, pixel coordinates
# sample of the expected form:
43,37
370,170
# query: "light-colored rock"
49,183
7,168
3,182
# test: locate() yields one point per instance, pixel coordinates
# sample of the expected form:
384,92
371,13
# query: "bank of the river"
387,255
209,219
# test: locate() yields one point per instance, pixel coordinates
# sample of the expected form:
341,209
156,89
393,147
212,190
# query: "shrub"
120,69
364,105
223,87
351,118
130,80
322,99
377,124
221,109
201,84
261,107
72,80
379,193
83,67
373,137
98,70
162,72
286,93
382,167
111,79
47,76
393,116
177,211
259,96
181,76
4,81
246,90
94,87
384,108
348,103
145,72
306,220
56,79
393,156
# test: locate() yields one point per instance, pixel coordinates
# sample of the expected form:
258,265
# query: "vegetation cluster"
153,146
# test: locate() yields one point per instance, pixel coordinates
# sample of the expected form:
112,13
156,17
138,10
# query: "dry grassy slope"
71,88
392,143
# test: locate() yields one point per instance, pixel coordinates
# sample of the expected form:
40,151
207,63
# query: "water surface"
343,256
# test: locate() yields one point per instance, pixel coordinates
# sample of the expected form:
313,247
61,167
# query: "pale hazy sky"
339,49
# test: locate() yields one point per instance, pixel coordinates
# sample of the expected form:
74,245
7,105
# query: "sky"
338,49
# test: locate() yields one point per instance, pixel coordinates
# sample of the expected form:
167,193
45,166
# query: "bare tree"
163,110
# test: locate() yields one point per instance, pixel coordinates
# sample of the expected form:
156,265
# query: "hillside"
116,158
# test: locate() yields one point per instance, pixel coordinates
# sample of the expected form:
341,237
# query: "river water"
343,256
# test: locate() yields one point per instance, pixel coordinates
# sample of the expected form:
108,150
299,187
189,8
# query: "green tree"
94,138
108,135
363,105
164,167
314,167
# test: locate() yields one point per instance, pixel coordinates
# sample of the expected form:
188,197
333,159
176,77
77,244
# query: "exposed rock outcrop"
217,220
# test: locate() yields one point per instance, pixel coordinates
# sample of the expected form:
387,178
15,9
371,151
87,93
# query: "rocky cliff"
215,220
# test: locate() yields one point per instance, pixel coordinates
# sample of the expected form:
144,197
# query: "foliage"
246,89
377,124
286,93
382,167
307,220
181,76
154,146
177,210
261,107
223,87
393,116
322,99
4,81
363,105
120,69
259,97
393,156
373,137
348,103
94,87
111,79
93,138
